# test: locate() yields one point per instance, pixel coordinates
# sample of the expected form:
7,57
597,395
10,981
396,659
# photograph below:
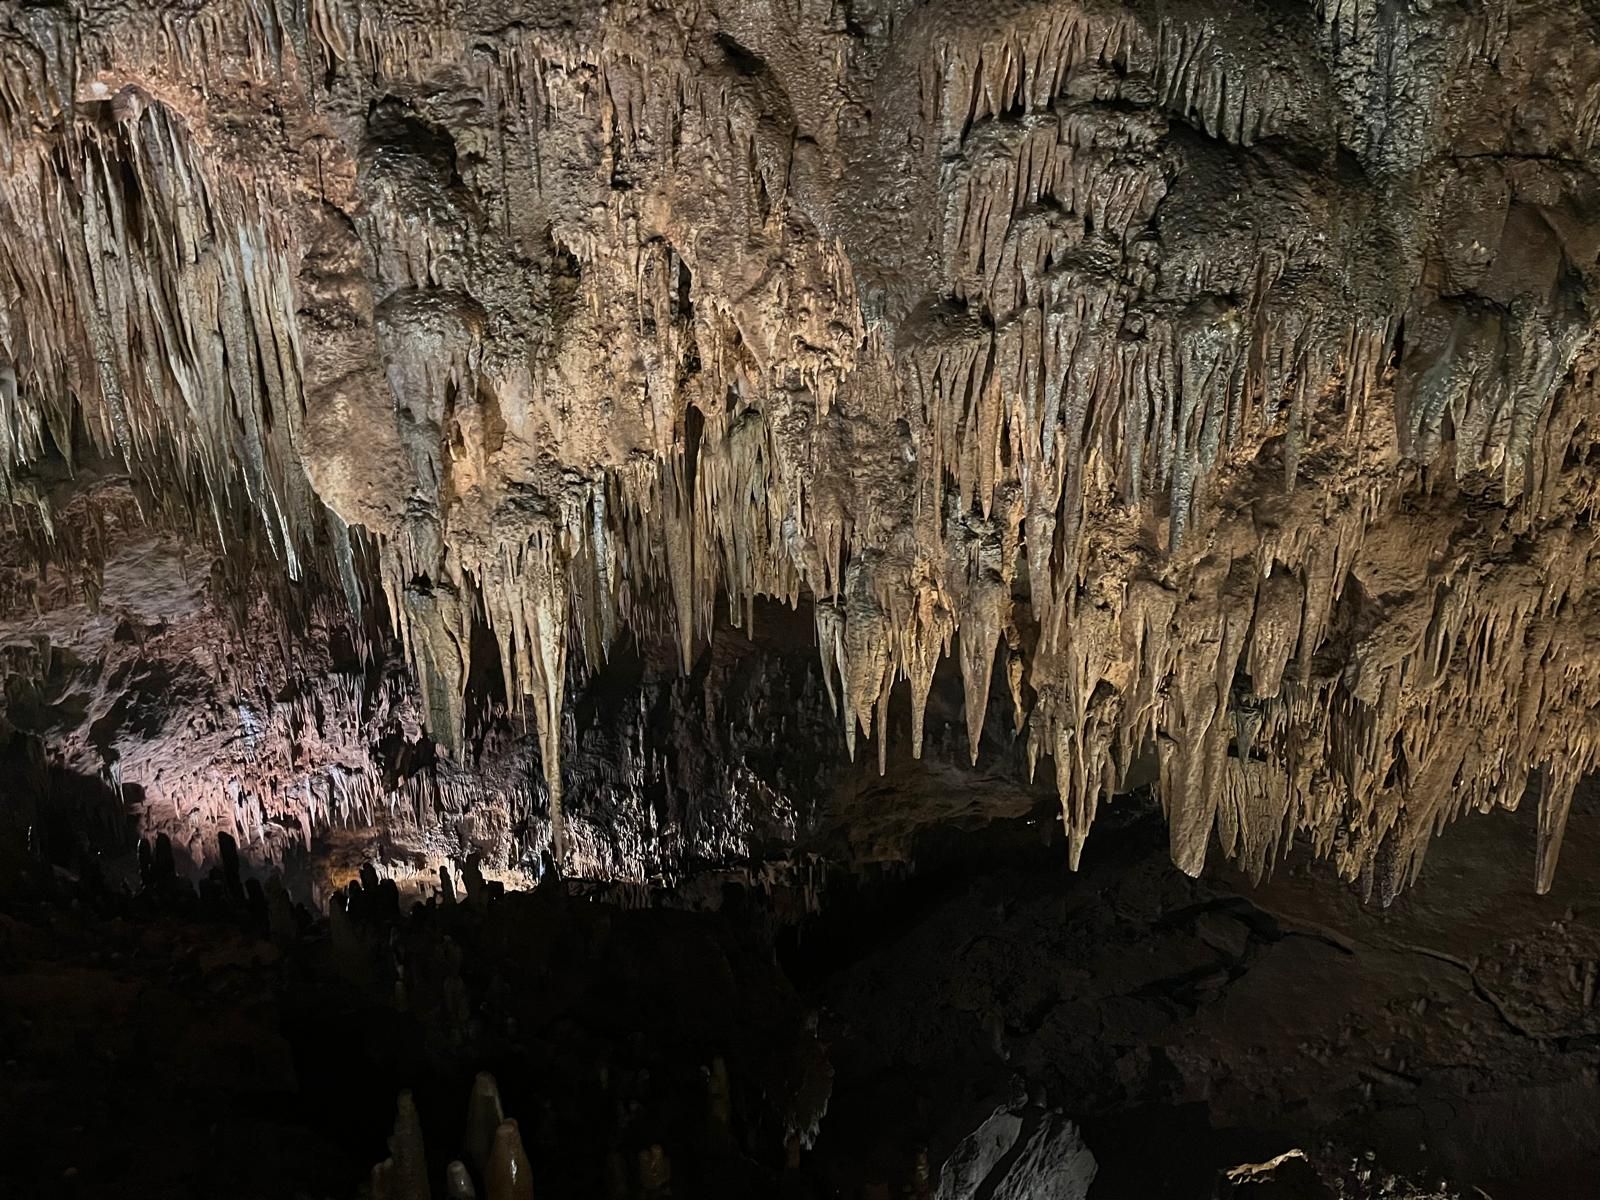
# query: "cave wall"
1215,379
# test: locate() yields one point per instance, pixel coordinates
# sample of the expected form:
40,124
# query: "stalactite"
579,332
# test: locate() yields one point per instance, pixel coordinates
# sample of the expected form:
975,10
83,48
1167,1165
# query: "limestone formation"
1218,377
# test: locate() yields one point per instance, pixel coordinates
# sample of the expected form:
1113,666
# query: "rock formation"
1216,377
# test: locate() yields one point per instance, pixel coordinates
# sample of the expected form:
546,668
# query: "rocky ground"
170,1046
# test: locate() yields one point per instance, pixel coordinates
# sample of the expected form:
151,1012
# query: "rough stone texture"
1189,1026
977,1155
164,714
1218,378
1010,1158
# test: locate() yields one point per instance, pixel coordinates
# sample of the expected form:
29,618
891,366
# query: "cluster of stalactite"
1143,355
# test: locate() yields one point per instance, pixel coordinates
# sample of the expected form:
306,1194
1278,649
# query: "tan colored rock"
1244,364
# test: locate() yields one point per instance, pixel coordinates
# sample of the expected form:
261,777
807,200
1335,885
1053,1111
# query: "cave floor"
1190,1025
172,1050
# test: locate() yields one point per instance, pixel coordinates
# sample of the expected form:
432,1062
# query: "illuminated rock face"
1221,373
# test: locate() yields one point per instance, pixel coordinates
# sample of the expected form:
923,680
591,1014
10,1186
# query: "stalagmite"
383,1181
508,1176
484,1115
458,1184
409,1177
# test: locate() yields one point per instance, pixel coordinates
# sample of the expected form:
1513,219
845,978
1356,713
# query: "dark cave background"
173,1043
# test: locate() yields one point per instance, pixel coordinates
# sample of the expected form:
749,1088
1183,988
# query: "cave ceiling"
589,433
